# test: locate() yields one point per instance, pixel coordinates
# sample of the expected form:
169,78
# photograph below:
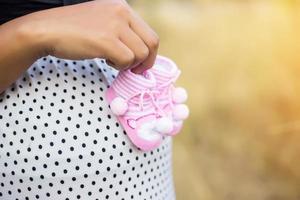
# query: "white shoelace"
151,93
168,87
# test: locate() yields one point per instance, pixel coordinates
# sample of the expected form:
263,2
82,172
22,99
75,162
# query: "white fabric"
59,139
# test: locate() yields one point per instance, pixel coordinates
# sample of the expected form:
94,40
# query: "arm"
19,48
107,29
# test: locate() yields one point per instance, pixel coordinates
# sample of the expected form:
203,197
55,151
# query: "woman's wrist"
33,36
21,44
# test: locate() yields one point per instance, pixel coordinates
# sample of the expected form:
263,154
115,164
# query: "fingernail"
110,63
136,70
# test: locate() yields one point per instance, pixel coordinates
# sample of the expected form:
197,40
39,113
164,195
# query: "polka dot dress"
59,139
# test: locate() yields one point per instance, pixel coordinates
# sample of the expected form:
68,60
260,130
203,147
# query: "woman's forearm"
106,29
19,48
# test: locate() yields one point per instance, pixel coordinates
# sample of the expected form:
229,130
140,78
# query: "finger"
136,45
119,55
147,64
149,37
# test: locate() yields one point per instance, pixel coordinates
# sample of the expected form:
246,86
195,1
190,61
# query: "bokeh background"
241,65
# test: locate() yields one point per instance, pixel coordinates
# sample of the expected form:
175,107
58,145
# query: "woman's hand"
105,28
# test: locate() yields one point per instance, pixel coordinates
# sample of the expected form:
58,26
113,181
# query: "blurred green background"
241,65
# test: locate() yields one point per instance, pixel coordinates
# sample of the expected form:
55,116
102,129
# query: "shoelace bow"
152,94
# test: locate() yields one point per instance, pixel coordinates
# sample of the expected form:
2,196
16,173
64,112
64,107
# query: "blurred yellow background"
241,65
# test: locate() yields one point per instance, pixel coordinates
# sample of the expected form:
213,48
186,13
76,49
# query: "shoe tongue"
128,84
164,70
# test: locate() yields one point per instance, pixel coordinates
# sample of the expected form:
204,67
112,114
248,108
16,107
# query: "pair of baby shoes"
148,106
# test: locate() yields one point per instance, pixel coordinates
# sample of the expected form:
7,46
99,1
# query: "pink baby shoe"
132,99
171,99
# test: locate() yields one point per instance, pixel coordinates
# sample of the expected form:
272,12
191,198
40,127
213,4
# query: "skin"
106,29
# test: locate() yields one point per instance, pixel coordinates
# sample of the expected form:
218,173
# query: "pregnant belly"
56,113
